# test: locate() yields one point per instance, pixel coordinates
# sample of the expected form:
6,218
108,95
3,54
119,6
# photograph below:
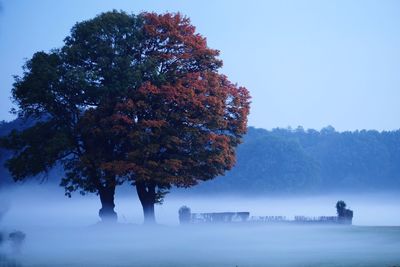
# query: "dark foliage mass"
295,160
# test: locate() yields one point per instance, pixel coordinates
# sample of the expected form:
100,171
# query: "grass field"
217,245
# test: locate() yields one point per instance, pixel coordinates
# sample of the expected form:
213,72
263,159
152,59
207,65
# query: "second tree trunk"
147,196
107,213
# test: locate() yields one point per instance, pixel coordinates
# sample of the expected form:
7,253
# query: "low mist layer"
64,232
42,205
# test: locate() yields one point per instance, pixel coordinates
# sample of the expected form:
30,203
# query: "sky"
309,63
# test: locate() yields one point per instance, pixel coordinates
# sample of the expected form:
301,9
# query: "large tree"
180,133
128,98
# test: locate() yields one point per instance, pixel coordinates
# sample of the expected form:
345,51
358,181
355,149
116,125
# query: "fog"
65,232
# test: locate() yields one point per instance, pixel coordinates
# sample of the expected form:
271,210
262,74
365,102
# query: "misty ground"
63,232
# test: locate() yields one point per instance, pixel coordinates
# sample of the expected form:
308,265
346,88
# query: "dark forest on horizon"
287,160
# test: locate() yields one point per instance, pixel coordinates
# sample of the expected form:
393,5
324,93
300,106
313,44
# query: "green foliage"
40,148
60,90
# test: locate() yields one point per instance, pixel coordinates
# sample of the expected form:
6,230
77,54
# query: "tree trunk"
147,196
107,213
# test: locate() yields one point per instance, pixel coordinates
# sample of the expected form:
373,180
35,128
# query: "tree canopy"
134,98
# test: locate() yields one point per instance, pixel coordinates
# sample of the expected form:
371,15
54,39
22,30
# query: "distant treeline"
298,160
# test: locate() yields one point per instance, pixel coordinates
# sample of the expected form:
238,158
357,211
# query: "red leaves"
122,118
173,165
168,25
119,167
173,42
184,127
153,123
148,88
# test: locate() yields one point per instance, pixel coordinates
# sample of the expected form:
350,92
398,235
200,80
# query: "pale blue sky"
310,63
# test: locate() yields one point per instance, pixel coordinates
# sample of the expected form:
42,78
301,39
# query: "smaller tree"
345,216
179,134
67,93
341,208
